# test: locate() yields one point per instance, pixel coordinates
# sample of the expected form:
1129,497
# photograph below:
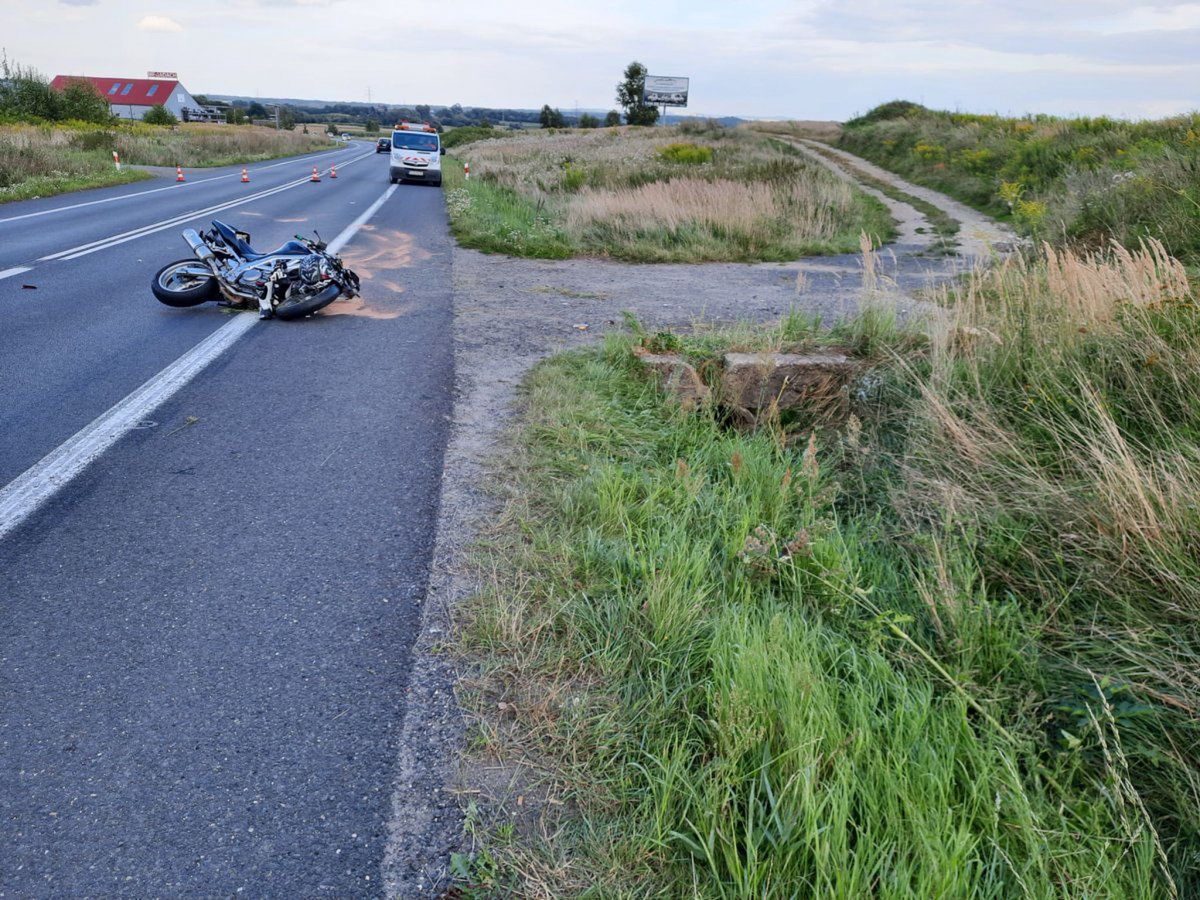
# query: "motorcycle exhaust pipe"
202,250
205,255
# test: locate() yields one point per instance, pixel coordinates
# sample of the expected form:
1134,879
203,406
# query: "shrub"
159,115
686,154
465,134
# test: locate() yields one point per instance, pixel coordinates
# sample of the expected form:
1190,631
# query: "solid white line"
37,484
336,245
15,270
142,231
170,187
42,480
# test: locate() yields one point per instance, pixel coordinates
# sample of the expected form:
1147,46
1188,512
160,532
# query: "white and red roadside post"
467,171
117,160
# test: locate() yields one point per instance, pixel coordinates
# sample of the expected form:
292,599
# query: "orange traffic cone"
179,173
315,176
245,176
333,171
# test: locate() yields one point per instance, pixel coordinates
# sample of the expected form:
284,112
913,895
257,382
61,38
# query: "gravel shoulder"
510,313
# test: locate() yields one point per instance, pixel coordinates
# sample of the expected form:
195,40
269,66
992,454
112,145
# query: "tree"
372,126
25,94
331,129
80,100
159,115
552,118
287,119
613,119
587,120
235,115
257,111
629,95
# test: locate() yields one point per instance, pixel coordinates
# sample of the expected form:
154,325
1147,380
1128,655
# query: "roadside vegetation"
45,159
688,194
943,647
52,142
1081,180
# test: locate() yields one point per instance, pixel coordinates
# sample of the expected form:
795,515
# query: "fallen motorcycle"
290,282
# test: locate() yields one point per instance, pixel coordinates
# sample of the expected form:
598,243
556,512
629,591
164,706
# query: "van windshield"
414,140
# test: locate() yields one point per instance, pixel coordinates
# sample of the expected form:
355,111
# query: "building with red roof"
131,98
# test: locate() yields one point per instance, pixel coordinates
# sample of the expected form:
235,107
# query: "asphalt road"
204,637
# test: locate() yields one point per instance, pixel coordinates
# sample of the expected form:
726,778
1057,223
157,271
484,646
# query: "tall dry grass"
829,132
632,193
813,211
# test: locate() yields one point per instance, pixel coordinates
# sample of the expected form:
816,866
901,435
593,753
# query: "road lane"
92,332
30,230
203,643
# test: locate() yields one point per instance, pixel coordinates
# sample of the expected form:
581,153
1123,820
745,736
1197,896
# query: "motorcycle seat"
244,250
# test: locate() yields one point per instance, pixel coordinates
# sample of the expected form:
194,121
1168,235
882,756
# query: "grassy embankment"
1080,180
949,648
40,160
684,194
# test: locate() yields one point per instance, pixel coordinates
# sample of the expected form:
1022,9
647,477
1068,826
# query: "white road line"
37,484
15,270
142,231
336,245
170,187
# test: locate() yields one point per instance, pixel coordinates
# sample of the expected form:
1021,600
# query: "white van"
416,154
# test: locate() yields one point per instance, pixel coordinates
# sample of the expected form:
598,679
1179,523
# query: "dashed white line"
114,240
37,484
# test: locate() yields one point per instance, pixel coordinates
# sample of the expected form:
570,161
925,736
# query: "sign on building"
664,90
172,75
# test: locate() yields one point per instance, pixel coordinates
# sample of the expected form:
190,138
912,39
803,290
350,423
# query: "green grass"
87,177
642,196
1085,180
947,649
495,219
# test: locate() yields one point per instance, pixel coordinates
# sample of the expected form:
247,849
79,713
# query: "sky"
804,59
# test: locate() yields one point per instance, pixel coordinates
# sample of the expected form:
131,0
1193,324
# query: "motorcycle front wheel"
187,282
298,307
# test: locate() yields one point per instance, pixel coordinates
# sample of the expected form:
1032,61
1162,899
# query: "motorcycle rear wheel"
307,304
185,282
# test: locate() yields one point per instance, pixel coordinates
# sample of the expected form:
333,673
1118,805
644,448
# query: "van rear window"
414,140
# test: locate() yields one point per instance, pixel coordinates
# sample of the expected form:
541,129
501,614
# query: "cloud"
79,2
158,23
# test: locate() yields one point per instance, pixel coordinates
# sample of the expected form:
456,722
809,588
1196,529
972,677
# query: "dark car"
383,145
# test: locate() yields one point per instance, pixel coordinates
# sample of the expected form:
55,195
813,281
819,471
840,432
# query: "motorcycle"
290,282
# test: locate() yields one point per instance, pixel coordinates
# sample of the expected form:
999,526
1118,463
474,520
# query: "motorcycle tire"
175,292
307,305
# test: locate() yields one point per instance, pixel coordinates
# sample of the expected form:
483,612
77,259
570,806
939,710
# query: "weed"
947,650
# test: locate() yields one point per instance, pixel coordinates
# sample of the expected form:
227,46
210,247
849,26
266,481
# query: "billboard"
664,90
